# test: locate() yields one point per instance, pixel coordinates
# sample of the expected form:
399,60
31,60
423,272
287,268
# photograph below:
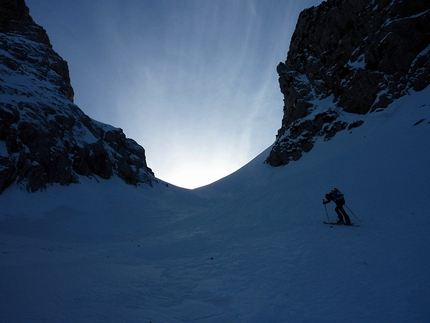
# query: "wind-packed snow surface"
249,248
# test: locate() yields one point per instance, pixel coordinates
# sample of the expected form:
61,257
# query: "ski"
335,223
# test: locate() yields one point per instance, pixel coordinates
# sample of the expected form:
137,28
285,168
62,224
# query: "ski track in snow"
249,248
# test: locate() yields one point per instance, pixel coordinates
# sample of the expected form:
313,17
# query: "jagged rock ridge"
359,55
44,137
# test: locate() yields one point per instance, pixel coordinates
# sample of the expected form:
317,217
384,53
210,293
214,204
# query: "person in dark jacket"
337,197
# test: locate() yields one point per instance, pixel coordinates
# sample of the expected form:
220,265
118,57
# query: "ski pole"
352,213
325,207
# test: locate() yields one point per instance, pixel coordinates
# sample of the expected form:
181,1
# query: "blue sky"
194,81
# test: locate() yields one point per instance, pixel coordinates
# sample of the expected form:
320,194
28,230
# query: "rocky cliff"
44,137
353,56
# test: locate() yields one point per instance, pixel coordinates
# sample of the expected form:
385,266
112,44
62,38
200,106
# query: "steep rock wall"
44,137
359,54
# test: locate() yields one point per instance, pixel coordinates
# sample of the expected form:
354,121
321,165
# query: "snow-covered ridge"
45,137
358,55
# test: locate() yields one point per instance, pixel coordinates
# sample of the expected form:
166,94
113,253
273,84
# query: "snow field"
248,248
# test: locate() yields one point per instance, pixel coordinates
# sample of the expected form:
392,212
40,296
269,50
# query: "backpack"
336,194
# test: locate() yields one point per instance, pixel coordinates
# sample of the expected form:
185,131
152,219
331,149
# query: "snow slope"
249,248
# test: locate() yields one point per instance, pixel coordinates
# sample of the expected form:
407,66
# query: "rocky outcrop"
44,137
358,55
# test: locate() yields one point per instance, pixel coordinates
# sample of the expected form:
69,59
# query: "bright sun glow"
196,175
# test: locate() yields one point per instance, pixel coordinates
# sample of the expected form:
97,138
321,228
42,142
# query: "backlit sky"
192,81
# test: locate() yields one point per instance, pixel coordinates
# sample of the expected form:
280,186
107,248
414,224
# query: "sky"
194,82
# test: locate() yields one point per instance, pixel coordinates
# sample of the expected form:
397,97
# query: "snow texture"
251,247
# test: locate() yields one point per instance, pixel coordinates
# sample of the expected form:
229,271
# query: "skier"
337,197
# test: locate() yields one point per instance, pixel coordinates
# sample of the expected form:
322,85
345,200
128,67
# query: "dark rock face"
44,137
359,54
